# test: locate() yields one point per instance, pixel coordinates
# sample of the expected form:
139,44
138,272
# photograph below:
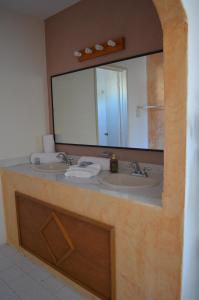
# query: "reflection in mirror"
116,105
112,116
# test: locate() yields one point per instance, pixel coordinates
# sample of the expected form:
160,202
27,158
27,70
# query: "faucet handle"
70,161
136,167
134,164
146,170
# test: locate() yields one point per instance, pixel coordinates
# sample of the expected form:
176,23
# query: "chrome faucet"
137,171
66,159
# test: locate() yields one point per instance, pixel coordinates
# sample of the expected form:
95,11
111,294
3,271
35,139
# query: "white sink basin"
50,168
127,181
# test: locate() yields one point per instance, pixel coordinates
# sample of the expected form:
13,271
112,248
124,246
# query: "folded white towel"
103,162
83,172
45,157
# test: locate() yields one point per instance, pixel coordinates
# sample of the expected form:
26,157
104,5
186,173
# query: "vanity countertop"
147,195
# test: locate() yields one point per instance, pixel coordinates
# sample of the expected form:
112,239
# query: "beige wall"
23,113
23,101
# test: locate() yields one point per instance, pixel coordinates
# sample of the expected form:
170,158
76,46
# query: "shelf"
146,107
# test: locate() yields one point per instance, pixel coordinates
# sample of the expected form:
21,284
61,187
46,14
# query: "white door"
111,107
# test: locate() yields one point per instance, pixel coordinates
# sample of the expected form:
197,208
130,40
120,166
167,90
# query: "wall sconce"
97,50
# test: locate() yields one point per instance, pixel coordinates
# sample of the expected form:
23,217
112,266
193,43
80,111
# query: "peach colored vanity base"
148,241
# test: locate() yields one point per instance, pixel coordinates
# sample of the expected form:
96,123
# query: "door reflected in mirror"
115,105
112,114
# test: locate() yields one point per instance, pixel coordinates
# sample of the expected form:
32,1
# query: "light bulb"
111,43
88,50
99,47
77,53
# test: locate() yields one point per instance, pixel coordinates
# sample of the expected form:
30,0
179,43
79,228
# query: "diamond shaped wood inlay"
57,239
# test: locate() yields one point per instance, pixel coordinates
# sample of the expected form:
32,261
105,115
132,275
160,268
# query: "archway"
175,28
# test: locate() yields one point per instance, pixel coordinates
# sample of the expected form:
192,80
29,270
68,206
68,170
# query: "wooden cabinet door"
78,247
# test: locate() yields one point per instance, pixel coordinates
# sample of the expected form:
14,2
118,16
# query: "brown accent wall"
123,154
91,21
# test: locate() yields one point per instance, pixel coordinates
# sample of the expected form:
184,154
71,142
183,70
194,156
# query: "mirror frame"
90,67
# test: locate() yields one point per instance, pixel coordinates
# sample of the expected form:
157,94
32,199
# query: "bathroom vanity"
89,233
79,247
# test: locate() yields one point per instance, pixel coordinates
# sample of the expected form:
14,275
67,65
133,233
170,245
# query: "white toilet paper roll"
48,143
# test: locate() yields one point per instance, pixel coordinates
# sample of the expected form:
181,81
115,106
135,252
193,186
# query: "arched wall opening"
175,28
153,241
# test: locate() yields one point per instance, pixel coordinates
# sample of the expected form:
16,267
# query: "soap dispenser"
113,164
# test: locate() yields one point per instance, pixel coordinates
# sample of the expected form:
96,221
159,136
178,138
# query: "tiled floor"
21,279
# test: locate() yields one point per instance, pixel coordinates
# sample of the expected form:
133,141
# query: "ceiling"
37,8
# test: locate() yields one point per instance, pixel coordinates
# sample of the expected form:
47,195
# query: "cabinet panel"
78,247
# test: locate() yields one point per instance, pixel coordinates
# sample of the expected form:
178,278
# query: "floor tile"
52,284
23,279
68,293
24,263
24,283
36,272
12,254
7,250
6,293
36,294
5,263
10,274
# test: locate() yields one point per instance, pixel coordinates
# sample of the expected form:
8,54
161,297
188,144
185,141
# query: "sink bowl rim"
60,169
153,182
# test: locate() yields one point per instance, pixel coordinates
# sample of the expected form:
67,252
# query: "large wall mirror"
120,104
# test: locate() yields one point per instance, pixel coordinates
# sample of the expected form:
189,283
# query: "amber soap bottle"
113,164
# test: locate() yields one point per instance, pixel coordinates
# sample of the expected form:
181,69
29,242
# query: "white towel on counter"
83,172
45,158
103,162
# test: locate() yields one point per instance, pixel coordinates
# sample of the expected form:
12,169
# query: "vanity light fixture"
99,47
111,43
77,53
